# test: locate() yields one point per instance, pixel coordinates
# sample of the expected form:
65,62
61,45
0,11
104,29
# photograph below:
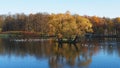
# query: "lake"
49,54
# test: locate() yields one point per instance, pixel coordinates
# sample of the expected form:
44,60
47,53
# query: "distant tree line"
62,24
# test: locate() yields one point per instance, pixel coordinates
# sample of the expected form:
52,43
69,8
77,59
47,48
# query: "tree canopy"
61,24
69,25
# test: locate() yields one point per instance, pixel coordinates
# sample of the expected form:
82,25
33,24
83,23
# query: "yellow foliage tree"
69,25
83,25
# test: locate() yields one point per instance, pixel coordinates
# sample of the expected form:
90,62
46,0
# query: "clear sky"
108,8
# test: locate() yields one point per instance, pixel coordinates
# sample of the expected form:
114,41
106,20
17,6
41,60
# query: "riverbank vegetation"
65,25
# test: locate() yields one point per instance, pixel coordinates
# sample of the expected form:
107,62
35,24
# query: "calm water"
47,54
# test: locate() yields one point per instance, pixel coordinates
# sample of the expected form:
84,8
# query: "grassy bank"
23,34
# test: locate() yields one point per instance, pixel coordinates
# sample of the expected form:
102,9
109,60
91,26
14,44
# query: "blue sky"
108,8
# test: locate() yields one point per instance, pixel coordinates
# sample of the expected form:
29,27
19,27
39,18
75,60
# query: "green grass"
21,34
4,35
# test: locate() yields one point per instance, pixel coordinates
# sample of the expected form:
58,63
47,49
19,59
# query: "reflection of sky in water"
46,55
22,62
105,60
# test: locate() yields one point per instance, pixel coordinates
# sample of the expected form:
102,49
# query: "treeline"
21,22
62,24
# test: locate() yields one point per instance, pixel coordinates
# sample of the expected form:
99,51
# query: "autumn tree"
83,25
2,19
117,24
69,25
8,24
20,21
14,23
109,24
37,23
98,24
41,20
62,24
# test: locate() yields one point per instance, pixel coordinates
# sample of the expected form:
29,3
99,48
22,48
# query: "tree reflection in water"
69,55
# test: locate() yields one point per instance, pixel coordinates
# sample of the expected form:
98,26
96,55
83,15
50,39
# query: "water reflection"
69,55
